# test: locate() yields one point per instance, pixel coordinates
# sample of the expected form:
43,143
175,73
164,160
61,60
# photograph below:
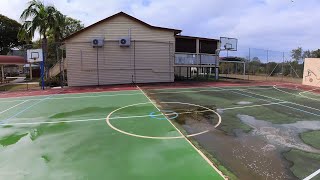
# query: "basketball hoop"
34,55
228,44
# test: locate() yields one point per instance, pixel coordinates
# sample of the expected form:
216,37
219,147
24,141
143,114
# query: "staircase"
55,70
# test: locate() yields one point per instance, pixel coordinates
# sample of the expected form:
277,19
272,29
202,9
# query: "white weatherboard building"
122,49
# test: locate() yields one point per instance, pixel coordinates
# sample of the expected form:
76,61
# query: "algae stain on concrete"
45,158
11,139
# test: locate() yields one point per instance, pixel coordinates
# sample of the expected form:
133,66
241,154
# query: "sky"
279,25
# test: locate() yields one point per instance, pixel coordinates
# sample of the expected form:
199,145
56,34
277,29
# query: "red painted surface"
12,60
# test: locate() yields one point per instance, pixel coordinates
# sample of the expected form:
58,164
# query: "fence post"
282,66
249,63
267,65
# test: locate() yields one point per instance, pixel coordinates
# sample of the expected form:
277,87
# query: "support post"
217,64
267,65
244,70
63,76
249,64
2,73
42,74
30,70
282,66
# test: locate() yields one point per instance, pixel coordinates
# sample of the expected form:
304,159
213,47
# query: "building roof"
194,37
12,60
176,31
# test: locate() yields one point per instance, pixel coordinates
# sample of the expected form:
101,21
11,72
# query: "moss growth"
216,163
312,138
304,163
11,139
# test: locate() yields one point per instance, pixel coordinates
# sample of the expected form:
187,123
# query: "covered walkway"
10,60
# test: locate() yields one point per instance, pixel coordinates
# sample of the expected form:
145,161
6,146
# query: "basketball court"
151,132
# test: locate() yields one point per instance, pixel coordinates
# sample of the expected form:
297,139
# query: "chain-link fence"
263,65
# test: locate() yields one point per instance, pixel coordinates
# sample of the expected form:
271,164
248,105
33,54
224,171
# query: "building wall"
311,75
150,57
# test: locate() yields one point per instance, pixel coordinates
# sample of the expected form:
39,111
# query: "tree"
296,54
71,26
9,29
67,26
306,54
254,65
43,19
315,53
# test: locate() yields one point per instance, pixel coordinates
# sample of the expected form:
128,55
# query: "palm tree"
40,18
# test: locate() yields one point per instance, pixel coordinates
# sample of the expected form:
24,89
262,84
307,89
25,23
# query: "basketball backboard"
34,55
228,44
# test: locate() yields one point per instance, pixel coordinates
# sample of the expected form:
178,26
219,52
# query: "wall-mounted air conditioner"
97,42
124,42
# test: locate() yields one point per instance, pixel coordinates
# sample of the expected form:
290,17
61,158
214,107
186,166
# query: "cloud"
270,24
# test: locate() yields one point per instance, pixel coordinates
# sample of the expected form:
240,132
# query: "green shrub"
51,82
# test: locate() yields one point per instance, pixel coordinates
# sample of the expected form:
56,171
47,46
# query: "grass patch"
304,163
311,138
16,87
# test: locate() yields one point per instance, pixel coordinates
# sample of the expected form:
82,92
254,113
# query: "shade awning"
12,60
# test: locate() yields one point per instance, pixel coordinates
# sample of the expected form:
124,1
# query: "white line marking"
258,105
298,95
206,87
277,104
63,94
308,97
79,97
312,175
50,122
152,137
195,91
202,155
86,120
282,100
129,117
111,95
13,106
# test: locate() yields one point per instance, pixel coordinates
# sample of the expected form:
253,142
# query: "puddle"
258,154
285,135
244,103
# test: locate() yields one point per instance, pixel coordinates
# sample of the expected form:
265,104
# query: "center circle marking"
160,137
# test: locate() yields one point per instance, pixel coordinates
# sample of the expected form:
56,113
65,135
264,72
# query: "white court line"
298,95
201,154
111,95
277,104
309,97
50,122
258,105
79,97
129,117
63,94
206,87
13,106
282,100
195,91
312,175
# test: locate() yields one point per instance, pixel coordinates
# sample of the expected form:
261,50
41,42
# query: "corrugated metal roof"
12,60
